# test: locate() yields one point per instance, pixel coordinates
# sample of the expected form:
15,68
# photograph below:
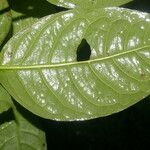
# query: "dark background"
127,129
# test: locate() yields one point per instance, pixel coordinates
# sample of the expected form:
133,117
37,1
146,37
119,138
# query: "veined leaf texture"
40,70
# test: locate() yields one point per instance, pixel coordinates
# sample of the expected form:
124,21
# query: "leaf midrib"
41,66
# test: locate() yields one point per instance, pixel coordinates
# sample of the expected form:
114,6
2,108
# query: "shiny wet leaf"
40,69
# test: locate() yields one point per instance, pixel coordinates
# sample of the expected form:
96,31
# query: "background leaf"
16,132
5,20
88,3
44,76
5,100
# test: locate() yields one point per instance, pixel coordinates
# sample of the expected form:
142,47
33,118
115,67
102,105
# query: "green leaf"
40,70
5,20
88,3
18,133
5,100
20,24
21,135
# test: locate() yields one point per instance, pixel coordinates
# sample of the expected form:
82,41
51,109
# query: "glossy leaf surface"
5,20
18,133
40,70
88,3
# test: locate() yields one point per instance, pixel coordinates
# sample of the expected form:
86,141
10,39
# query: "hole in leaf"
83,51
